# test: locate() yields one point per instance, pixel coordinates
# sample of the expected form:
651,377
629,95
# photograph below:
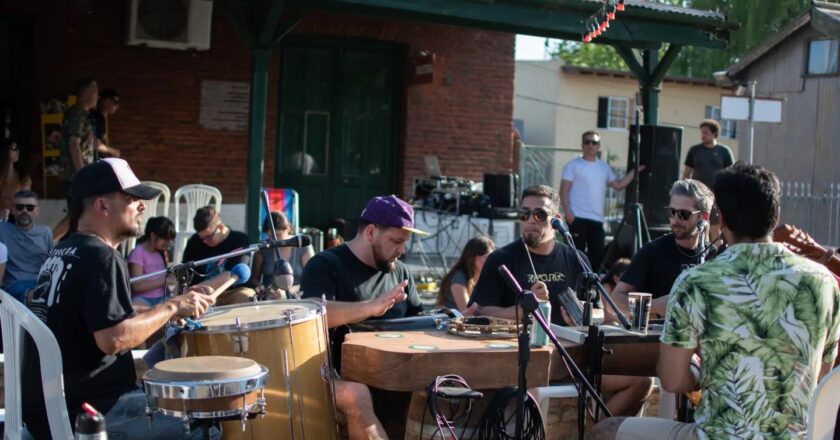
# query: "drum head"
266,314
203,368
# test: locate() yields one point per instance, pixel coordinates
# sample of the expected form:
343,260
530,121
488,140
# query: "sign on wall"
224,105
737,108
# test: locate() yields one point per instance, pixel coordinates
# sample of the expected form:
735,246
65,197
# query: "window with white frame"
822,57
613,112
728,127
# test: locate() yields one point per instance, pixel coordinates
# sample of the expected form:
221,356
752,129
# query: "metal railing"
813,210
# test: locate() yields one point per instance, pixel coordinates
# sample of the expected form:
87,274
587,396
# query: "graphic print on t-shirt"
53,272
546,277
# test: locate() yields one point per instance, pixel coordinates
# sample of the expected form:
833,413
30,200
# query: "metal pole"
752,120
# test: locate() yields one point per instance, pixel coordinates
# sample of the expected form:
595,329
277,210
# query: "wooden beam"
664,64
287,24
633,61
271,15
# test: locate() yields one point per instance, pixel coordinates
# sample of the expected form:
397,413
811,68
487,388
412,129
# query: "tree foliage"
759,20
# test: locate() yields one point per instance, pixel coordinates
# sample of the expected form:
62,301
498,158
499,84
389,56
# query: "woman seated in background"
151,255
13,177
262,272
613,276
457,285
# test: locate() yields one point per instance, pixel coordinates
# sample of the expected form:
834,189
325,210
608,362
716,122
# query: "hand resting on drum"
341,313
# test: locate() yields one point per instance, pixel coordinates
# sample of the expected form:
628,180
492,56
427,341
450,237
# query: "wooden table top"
409,361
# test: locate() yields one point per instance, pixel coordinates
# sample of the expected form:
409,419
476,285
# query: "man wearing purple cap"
363,279
84,297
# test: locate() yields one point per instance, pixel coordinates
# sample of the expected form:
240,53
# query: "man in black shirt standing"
547,267
363,279
658,263
215,238
705,159
83,295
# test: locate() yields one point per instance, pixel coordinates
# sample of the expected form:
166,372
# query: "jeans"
19,288
127,421
589,238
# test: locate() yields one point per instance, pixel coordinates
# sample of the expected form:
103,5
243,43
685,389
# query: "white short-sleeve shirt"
589,185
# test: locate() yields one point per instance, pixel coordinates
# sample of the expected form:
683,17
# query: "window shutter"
603,108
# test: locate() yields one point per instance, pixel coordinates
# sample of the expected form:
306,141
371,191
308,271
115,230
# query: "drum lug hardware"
240,344
244,414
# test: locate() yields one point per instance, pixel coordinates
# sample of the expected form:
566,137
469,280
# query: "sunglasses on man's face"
21,207
682,214
591,142
540,214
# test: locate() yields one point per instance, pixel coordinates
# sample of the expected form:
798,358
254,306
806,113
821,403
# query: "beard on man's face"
382,263
683,232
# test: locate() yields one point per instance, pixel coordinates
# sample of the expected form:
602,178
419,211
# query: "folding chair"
195,196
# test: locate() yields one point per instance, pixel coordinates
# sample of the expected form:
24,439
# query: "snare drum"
288,337
205,387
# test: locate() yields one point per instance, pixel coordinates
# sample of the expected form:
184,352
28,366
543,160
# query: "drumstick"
238,274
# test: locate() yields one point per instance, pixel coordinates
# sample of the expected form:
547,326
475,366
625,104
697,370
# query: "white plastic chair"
667,402
16,319
822,414
151,211
542,394
195,196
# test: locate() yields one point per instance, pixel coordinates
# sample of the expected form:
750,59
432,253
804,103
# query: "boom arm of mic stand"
588,272
540,319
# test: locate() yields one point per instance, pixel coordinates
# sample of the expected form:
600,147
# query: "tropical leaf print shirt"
765,319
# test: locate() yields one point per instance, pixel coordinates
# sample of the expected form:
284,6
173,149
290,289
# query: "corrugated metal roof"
651,9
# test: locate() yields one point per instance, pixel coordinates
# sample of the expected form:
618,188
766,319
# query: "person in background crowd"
583,192
151,255
703,162
611,278
14,176
457,285
213,238
109,103
28,244
264,261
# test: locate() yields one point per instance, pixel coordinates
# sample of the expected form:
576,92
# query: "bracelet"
827,255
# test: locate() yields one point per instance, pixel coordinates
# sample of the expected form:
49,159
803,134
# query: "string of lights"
599,22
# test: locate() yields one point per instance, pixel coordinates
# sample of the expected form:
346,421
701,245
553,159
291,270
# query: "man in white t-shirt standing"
582,194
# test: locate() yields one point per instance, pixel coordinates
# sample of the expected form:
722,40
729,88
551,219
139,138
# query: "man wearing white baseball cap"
84,297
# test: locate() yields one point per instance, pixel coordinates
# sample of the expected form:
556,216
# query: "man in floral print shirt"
764,321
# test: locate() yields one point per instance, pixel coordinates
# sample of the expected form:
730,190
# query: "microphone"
296,241
283,276
558,226
702,225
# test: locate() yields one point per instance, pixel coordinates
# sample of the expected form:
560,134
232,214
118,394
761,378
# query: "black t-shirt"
198,250
657,265
97,124
559,270
340,276
706,162
82,288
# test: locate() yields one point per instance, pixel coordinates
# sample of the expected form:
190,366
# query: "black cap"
107,176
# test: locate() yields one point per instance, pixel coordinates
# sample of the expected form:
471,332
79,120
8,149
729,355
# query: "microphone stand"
182,270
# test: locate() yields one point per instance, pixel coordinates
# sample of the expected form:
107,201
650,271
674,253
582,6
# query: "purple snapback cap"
391,211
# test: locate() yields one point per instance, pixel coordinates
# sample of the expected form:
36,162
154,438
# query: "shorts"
654,428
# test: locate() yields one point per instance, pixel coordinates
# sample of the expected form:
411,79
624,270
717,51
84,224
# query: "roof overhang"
644,24
822,16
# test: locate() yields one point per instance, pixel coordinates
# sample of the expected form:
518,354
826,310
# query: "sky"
530,48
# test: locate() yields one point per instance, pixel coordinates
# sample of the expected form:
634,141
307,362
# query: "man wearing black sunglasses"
29,245
583,192
547,267
658,263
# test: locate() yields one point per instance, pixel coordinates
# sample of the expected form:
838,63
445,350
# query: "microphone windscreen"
242,273
283,275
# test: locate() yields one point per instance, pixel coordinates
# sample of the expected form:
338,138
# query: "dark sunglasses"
682,214
21,207
540,214
591,142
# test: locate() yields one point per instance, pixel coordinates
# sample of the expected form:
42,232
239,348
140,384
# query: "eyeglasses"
682,214
21,207
591,142
540,215
210,235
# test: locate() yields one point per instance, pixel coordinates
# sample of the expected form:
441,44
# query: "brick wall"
463,117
